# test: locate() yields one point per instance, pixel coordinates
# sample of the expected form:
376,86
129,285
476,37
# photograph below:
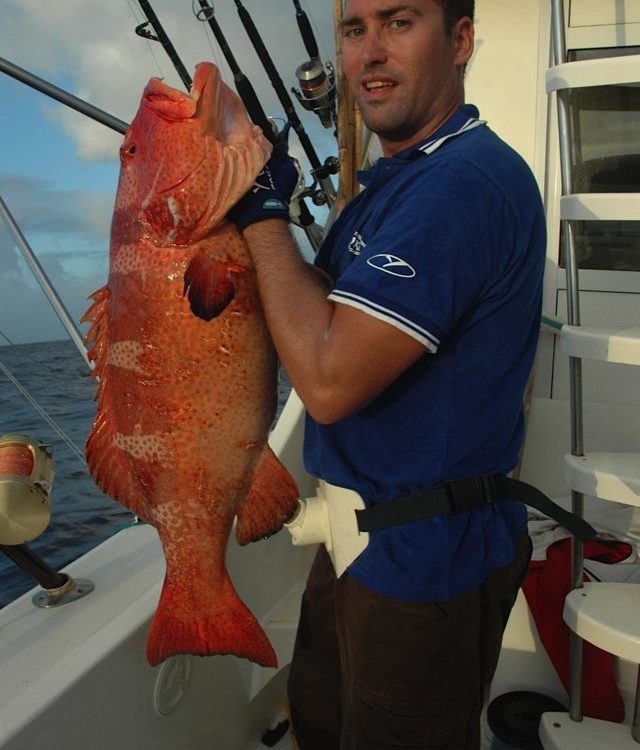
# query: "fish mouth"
173,104
168,102
213,127
207,77
198,107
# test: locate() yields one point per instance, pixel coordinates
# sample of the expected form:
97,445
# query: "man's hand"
270,194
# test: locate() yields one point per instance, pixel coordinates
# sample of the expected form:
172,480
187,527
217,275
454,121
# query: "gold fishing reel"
26,476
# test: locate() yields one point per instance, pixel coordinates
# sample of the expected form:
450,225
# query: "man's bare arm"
337,357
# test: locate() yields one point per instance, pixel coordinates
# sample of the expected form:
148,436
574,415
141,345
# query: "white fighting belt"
329,518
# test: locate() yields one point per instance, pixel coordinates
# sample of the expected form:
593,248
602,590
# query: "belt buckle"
486,488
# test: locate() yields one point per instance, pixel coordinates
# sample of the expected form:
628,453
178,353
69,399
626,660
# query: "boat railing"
604,614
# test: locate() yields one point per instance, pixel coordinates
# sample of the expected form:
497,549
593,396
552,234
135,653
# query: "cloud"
26,313
68,231
40,206
96,55
104,62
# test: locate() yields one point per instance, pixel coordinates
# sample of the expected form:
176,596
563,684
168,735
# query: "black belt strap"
468,494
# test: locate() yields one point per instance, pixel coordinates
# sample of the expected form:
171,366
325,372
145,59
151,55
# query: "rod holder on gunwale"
57,588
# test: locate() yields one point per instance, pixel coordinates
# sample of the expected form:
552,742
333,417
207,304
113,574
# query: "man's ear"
463,35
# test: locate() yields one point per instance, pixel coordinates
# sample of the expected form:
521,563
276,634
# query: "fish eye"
132,149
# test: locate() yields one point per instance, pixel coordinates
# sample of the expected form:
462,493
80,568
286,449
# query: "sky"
59,170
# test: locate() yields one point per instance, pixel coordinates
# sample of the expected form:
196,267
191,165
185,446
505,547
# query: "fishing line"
138,20
23,355
321,172
242,83
161,36
61,433
7,339
202,15
314,25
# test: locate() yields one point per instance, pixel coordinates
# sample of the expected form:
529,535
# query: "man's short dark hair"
454,10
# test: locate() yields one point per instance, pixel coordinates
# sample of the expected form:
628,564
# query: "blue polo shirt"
447,243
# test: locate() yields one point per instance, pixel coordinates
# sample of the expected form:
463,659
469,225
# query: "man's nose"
374,49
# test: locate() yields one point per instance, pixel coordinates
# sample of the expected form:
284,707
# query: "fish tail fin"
271,500
222,625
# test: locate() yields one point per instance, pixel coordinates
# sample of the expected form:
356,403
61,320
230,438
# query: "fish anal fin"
271,500
182,625
110,467
209,284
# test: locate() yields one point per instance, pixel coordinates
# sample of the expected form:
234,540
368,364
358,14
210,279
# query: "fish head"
186,158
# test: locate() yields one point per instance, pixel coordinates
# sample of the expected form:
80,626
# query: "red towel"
545,588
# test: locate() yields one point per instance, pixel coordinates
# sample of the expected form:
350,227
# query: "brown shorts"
374,673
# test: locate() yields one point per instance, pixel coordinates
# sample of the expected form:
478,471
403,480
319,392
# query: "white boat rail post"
42,278
56,588
64,97
575,363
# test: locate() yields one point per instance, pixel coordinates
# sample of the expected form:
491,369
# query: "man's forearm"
294,297
337,356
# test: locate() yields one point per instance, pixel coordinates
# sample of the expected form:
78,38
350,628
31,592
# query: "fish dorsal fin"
97,315
108,469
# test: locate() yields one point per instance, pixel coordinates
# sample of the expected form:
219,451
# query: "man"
412,370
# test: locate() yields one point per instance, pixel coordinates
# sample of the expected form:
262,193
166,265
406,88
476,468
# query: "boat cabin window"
605,123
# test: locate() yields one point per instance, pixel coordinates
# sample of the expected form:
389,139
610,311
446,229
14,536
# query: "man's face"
405,70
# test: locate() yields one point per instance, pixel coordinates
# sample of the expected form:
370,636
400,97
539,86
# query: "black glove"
270,194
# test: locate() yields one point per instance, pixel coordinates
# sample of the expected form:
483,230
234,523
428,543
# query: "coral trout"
187,380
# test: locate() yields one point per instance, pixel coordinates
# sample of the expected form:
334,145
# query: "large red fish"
185,366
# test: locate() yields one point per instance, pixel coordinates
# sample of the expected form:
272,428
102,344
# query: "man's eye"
354,32
399,23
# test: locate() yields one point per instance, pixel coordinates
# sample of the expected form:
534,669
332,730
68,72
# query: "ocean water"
57,378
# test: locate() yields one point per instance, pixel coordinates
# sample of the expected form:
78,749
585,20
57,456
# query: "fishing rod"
242,83
257,114
306,31
161,36
318,89
321,172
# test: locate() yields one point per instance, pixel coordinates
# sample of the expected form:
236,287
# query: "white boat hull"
76,676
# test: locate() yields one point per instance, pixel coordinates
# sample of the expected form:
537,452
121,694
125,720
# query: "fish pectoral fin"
271,500
209,284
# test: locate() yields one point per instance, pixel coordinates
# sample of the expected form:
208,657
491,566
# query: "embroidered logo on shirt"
392,264
356,244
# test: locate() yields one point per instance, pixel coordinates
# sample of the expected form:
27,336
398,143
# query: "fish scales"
187,373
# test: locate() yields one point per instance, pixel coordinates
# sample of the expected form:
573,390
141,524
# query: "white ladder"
604,614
